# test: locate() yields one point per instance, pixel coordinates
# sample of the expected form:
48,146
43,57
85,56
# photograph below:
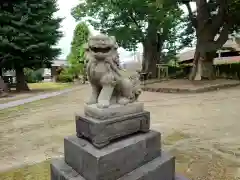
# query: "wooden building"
229,54
50,74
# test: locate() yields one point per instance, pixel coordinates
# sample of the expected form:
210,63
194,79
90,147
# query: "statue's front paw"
92,101
103,104
123,101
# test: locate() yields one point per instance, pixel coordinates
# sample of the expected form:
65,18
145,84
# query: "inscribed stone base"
161,168
115,110
100,133
113,161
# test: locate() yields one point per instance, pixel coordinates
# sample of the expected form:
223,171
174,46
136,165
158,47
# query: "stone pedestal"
100,133
113,161
113,111
114,148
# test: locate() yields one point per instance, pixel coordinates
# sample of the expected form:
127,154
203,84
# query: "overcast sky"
68,26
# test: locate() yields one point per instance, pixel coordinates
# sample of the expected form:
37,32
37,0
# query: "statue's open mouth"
102,50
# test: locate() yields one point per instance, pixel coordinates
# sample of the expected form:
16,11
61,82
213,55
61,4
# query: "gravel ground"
201,130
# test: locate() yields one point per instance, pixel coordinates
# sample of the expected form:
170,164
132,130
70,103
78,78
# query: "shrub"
177,72
173,69
65,77
59,70
33,76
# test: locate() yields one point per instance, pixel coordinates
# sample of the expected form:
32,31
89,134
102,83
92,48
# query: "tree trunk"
151,50
3,86
195,69
208,70
151,57
207,27
204,55
21,81
203,66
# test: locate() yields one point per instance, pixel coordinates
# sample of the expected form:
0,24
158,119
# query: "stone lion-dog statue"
108,84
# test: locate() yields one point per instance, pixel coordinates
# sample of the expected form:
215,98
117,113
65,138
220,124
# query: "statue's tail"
135,78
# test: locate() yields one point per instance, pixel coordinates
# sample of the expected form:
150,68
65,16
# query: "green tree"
33,76
133,22
76,56
76,65
28,34
213,22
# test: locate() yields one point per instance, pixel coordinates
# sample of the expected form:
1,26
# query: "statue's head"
101,46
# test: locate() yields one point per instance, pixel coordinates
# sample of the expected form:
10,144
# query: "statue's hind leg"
126,91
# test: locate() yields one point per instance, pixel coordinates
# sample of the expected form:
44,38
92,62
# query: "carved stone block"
100,133
115,110
113,161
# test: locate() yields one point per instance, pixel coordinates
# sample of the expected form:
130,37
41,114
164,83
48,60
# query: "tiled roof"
186,55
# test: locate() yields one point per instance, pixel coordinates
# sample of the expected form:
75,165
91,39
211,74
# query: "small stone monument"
113,140
3,88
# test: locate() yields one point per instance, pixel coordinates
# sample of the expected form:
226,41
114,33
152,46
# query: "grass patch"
13,111
36,89
25,108
15,98
49,86
200,164
175,137
204,166
40,171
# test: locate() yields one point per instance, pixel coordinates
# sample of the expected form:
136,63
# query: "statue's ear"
114,42
113,38
90,37
116,45
86,47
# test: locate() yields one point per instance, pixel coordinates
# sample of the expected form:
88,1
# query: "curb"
35,98
199,90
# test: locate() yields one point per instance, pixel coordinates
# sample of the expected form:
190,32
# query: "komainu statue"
109,86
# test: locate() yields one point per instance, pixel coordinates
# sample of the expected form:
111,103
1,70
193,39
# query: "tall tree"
213,21
131,22
76,56
28,33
